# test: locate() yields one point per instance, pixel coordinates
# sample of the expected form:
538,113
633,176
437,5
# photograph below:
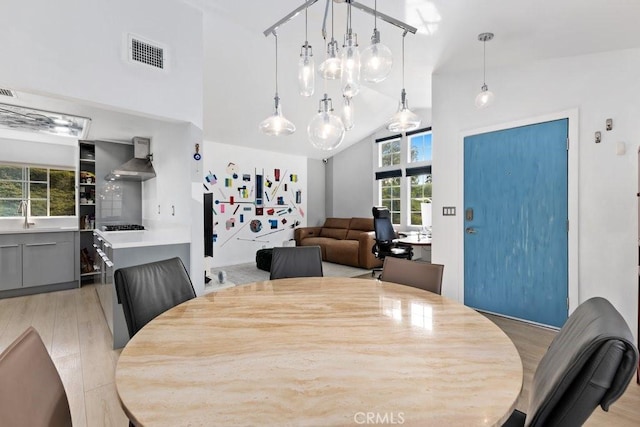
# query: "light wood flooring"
74,330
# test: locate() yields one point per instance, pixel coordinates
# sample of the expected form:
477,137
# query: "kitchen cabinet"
29,260
87,211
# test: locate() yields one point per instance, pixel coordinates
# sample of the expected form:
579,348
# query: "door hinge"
567,144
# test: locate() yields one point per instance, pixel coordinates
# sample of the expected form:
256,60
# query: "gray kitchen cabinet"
37,259
10,265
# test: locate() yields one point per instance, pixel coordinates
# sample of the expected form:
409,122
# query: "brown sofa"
345,241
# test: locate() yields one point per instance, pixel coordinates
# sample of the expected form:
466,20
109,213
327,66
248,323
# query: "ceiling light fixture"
15,117
306,65
376,58
404,119
485,97
330,69
326,130
350,60
277,124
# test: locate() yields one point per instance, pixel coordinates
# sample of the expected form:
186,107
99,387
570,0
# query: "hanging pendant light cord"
276,37
484,63
403,37
306,36
375,15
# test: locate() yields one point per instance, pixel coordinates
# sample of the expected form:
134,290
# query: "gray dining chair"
31,391
298,261
148,290
418,274
589,363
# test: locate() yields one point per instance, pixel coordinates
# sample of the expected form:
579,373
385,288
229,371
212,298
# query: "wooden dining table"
319,352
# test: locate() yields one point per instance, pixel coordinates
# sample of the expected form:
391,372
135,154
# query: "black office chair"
148,290
589,363
385,236
297,261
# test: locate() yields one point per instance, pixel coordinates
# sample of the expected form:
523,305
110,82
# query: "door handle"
470,230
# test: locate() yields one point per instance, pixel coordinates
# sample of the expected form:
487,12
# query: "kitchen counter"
33,229
137,239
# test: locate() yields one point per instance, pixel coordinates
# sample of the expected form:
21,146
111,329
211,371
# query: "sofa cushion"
357,226
334,233
337,223
343,252
323,242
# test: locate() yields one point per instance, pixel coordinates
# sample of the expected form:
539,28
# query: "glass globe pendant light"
404,119
331,67
347,113
326,130
277,124
485,97
376,58
350,61
306,66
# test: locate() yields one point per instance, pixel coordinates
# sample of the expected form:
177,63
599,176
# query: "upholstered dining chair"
385,235
31,391
148,290
589,363
296,261
418,274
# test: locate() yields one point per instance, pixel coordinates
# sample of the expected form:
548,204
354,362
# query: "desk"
319,352
424,243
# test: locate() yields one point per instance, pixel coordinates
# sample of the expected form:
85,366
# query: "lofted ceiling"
239,71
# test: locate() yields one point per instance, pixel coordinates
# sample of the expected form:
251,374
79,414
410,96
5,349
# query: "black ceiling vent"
7,92
146,52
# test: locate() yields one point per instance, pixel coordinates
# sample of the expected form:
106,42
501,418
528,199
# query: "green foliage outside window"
421,188
390,153
51,192
390,197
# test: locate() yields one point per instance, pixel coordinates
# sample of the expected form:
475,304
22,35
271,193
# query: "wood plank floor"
73,328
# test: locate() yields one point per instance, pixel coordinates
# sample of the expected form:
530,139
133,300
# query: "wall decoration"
259,200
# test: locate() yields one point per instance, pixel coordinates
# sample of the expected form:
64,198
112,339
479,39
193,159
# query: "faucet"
23,209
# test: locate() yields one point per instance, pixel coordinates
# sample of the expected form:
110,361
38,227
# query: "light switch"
448,211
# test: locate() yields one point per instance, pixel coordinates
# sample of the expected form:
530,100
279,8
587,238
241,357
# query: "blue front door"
515,240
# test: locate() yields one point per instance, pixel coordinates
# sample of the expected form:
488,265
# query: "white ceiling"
239,70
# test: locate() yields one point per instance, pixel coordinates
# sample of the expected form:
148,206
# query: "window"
390,197
390,152
404,188
50,192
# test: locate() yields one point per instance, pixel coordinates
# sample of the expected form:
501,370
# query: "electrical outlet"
448,211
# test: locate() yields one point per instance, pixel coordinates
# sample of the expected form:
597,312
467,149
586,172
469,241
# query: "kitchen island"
119,249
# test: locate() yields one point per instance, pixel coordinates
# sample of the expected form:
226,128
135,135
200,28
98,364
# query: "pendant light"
404,119
306,66
485,97
277,124
350,61
347,113
326,130
331,69
376,58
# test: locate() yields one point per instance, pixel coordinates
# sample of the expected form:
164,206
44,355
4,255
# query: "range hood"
139,168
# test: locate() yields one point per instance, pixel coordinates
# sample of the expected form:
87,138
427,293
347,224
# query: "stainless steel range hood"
139,168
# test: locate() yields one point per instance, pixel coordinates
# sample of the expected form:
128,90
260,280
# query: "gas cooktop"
123,227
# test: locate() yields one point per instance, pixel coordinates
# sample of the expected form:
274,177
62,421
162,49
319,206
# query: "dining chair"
418,274
589,363
31,391
148,290
385,245
296,261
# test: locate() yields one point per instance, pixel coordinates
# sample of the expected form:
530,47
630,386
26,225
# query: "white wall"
600,86
316,189
76,50
239,244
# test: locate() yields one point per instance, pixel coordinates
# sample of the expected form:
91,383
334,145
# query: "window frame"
26,189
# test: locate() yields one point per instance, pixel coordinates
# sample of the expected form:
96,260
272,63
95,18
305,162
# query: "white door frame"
573,180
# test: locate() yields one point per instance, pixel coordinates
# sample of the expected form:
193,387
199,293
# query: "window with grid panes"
390,197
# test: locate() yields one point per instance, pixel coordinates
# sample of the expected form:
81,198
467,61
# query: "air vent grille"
7,92
147,53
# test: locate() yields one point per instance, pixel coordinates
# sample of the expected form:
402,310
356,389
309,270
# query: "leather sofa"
345,241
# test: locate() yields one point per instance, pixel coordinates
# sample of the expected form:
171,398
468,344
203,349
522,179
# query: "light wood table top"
319,352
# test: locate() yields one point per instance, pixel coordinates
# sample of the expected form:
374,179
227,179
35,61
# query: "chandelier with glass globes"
352,67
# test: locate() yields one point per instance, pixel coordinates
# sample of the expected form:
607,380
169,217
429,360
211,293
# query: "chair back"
382,225
589,363
297,261
148,290
422,275
31,391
